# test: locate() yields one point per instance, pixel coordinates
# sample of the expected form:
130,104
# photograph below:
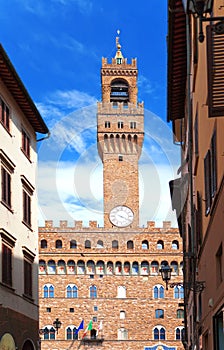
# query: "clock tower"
120,134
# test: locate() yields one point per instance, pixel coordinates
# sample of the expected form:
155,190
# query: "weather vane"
117,39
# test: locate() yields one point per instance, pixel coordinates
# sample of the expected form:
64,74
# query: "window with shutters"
207,182
4,115
27,271
6,168
28,190
8,243
210,174
215,63
25,144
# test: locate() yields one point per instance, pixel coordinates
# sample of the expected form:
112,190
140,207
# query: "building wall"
139,304
18,312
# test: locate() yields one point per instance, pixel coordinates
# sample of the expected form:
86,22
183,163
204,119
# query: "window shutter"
215,64
207,181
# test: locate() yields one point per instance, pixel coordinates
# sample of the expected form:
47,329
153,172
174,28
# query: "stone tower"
120,134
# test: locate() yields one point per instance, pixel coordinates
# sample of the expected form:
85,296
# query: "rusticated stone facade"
123,265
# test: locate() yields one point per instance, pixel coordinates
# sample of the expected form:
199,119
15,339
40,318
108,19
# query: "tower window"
133,125
119,60
107,124
120,158
120,125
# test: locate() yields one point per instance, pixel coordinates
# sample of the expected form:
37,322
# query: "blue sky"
56,47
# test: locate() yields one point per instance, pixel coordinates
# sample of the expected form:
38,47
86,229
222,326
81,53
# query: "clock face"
121,216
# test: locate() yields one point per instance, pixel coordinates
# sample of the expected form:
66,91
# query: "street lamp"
199,8
57,324
166,274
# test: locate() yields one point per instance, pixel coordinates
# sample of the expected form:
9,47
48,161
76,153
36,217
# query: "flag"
100,327
81,326
88,328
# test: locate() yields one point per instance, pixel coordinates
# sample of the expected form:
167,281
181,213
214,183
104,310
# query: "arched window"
175,245
73,244
121,292
122,334
144,268
100,268
145,244
110,268
90,267
130,245
71,267
42,267
158,292
174,267
71,291
154,267
181,268
87,244
43,243
93,292
80,267
135,268
115,244
58,244
180,313
179,333
159,313
122,315
49,332
159,333
48,290
178,292
126,268
160,244
118,268
51,267
99,244
61,267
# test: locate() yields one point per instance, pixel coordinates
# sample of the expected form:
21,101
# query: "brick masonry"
139,304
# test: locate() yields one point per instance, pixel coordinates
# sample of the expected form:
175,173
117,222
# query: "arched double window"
48,290
122,334
179,333
93,292
178,292
71,333
71,291
159,333
49,332
158,292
